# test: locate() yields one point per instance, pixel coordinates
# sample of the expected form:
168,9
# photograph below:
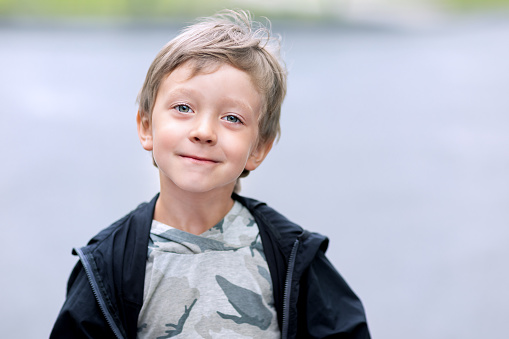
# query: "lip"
198,159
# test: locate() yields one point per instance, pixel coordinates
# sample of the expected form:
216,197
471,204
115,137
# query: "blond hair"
230,37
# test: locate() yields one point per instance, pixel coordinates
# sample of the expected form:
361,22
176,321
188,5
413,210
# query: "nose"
203,131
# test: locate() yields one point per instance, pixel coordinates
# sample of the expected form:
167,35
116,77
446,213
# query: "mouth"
198,159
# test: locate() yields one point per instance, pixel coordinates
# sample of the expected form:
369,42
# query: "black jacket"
105,289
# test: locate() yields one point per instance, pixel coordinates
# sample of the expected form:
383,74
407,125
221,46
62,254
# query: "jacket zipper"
287,292
98,296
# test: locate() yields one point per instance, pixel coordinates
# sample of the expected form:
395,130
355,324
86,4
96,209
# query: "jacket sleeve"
80,316
328,307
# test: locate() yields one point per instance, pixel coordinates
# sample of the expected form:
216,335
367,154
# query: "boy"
200,260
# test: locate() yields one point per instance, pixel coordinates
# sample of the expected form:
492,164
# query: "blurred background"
395,144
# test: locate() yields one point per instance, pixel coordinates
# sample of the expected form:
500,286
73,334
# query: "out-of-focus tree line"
310,9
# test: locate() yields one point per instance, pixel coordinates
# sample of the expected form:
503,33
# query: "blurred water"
395,144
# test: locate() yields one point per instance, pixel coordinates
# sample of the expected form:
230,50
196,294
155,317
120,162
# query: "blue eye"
183,108
232,118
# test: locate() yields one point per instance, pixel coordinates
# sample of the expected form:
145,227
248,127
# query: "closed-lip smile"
199,159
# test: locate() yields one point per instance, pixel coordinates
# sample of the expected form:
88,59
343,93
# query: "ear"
257,157
144,130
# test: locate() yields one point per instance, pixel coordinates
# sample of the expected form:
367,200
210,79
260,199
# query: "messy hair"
229,37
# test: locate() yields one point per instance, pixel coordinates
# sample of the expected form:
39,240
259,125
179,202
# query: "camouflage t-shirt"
213,285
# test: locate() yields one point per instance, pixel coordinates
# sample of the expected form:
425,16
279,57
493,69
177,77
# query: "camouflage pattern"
213,285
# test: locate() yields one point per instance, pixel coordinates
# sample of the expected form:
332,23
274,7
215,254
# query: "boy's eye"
183,108
232,118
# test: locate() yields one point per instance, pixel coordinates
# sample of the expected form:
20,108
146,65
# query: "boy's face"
204,129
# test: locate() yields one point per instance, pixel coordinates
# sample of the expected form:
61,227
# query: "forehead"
197,66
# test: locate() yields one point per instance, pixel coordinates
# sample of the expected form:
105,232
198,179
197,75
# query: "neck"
192,212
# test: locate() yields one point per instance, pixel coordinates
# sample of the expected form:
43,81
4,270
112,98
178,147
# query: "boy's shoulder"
266,215
281,228
138,221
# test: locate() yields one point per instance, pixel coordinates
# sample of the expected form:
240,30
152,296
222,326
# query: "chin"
192,183
196,187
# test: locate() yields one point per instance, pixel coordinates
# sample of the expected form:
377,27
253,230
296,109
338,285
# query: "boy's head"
227,38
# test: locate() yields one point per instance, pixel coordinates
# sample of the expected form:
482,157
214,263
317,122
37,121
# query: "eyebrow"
237,102
180,91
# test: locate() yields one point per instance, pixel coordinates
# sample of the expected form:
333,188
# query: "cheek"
163,142
167,132
247,148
